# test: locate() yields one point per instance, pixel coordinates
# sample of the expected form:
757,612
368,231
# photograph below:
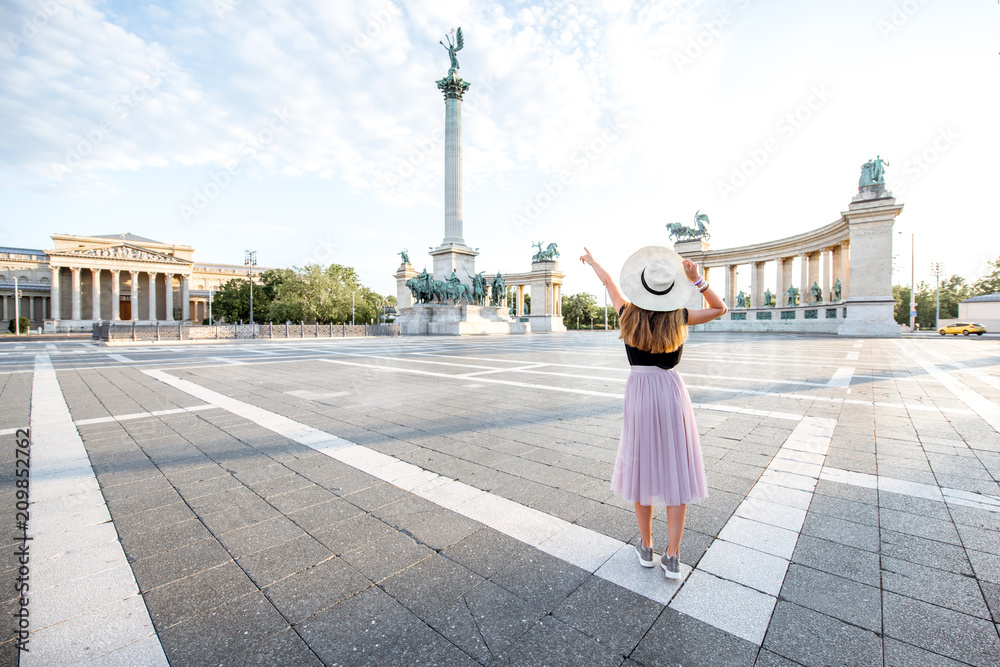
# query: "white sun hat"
654,279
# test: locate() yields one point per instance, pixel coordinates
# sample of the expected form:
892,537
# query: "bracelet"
701,280
703,288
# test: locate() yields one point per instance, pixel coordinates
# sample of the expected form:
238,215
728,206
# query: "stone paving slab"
357,502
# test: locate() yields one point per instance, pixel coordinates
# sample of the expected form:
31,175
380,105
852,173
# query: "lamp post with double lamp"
250,261
913,285
937,268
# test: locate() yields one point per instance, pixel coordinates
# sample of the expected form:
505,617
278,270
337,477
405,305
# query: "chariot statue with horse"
679,232
547,255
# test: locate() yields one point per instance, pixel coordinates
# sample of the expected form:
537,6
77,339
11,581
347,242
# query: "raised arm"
716,308
617,298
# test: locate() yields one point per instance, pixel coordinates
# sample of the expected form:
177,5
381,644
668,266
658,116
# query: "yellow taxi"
964,328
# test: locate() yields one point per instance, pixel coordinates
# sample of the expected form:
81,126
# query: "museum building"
117,277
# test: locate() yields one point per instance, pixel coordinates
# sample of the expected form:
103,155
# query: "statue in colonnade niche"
769,298
793,295
817,293
741,300
838,288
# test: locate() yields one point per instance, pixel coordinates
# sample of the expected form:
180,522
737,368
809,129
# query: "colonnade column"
757,285
836,258
845,269
731,275
185,299
133,291
520,300
55,309
168,297
95,295
74,293
827,261
116,296
152,296
31,308
813,273
804,278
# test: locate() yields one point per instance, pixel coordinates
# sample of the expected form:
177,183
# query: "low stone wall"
132,332
814,318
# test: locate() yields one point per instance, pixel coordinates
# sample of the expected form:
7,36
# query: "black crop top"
668,360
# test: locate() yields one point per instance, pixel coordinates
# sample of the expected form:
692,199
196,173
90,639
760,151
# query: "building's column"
95,294
827,282
813,273
804,279
152,296
55,310
453,88
731,275
836,258
757,285
559,300
3,310
168,297
185,299
520,300
845,269
133,295
75,292
31,308
116,295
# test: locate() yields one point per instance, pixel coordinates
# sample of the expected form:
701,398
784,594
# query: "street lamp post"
17,309
210,320
936,269
250,260
913,286
352,309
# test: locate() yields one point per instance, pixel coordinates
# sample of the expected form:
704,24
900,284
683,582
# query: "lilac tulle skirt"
659,458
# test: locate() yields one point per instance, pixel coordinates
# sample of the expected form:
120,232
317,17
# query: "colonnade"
34,307
116,294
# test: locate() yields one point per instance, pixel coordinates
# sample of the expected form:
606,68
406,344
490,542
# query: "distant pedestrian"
659,458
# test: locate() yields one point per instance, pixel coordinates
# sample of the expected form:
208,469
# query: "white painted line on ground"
85,601
738,579
141,415
50,346
985,408
12,431
841,377
985,378
121,358
312,396
852,356
227,360
913,489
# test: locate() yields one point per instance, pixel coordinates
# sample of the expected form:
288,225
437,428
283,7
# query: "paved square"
446,501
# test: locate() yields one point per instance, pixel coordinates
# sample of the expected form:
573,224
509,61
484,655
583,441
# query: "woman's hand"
691,269
586,257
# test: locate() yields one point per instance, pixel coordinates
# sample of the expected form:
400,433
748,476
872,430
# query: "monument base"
463,320
546,323
870,318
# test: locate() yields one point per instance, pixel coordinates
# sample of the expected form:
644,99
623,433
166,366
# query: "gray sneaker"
645,555
671,566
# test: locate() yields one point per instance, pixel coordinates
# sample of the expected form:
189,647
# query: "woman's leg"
675,527
644,515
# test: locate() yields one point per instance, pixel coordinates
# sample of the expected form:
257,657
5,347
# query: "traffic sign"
913,313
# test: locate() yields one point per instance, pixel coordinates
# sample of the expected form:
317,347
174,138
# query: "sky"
312,131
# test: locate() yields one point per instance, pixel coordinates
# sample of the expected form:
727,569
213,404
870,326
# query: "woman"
659,458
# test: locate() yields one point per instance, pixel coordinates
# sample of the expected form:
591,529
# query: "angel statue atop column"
453,48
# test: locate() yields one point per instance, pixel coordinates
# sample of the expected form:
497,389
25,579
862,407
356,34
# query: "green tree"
578,310
23,324
989,283
324,294
232,302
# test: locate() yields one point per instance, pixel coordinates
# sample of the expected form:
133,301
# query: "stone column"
3,310
116,295
757,285
96,293
168,297
55,310
813,273
134,295
827,257
731,274
152,296
784,279
836,261
803,278
31,308
185,299
520,300
75,293
453,88
845,269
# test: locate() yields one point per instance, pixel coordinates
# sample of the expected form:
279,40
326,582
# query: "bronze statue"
867,174
878,171
679,232
837,290
793,295
548,255
453,48
499,290
741,300
768,297
404,255
817,293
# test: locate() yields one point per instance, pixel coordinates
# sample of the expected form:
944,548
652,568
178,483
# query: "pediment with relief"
123,252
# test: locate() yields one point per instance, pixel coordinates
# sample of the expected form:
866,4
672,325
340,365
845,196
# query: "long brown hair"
653,331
